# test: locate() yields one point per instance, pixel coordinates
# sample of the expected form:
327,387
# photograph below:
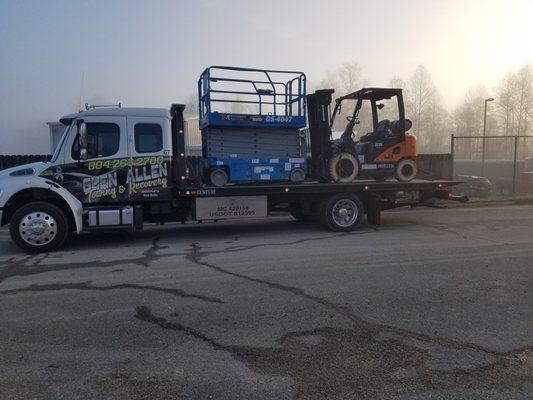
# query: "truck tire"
343,167
39,227
406,170
341,212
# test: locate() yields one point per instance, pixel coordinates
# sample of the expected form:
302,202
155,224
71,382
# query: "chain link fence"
493,165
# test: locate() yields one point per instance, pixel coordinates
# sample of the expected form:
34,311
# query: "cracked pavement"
434,304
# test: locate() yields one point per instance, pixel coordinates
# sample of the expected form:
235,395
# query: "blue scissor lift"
251,122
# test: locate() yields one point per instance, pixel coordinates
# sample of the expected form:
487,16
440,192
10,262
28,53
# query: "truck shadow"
178,233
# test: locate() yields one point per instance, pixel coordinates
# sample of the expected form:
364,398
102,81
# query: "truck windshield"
57,151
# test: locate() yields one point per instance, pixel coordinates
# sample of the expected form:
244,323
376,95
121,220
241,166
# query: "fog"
57,55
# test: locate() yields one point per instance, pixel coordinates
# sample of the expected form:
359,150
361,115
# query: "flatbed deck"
317,188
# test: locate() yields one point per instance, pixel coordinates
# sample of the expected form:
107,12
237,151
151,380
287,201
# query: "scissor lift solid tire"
218,177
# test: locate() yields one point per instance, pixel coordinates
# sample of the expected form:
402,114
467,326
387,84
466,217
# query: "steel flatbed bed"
338,206
313,188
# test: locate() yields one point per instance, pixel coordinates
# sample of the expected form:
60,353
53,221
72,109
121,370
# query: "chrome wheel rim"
38,228
345,212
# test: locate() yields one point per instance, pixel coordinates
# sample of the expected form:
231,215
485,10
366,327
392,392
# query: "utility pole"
484,134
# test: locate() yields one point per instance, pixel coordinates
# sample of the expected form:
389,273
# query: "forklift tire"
343,167
341,212
39,227
406,170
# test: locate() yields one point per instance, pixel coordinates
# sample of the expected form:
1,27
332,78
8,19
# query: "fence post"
514,163
452,151
483,157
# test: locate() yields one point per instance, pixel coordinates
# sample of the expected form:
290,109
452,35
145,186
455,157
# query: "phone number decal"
125,162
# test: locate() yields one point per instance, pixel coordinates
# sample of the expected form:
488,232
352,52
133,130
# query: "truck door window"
148,138
103,140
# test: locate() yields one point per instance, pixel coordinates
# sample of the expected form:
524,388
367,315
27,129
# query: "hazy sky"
150,53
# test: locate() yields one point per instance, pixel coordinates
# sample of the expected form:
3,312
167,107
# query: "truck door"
150,143
103,176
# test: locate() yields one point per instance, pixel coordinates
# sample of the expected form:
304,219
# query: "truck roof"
117,111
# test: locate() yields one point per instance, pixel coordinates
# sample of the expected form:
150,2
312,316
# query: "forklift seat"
395,126
379,133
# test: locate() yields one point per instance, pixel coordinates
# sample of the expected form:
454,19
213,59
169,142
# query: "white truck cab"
106,157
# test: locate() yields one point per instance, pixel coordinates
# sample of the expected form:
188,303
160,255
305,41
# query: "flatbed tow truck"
118,168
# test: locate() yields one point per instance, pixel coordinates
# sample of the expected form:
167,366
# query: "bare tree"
397,83
349,75
506,99
346,79
515,101
421,90
423,105
468,116
525,99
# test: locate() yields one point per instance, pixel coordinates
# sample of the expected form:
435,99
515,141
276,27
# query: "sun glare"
479,43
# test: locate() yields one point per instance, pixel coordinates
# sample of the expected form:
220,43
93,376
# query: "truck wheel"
343,167
39,227
342,212
406,170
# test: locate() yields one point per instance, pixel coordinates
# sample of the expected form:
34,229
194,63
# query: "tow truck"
119,168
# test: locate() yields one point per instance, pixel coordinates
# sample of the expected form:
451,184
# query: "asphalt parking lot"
433,304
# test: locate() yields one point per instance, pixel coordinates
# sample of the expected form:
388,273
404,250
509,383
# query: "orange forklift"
388,151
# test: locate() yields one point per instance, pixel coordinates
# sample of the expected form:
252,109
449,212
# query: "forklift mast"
319,130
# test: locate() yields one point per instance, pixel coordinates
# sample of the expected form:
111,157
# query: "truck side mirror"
82,141
83,154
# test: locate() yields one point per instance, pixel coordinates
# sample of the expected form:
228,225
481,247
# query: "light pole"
484,134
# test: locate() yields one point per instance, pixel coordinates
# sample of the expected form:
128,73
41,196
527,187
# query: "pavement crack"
197,256
89,286
342,363
28,266
295,242
150,254
34,264
144,313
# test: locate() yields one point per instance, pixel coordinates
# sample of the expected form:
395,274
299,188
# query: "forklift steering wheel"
351,118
